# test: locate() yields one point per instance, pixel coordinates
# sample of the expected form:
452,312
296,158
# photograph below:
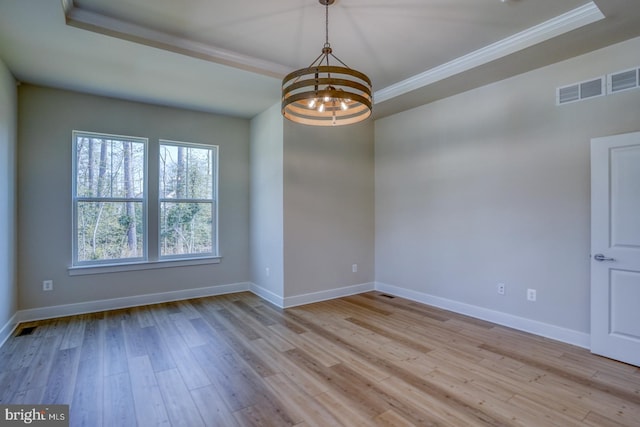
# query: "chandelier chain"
326,23
327,45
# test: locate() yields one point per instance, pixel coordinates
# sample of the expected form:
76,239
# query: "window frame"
214,254
75,262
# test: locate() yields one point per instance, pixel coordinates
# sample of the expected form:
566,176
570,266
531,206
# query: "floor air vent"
26,331
580,91
387,296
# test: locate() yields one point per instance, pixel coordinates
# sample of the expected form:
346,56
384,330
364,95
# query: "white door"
615,247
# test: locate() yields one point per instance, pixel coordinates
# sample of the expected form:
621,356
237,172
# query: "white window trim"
75,264
144,263
141,265
214,204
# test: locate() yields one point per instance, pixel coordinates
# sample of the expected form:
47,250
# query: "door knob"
600,257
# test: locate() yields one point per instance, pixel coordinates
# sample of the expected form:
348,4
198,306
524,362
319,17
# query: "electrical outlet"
47,285
531,294
501,288
354,268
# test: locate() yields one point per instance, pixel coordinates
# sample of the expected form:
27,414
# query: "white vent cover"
580,91
623,80
615,82
568,94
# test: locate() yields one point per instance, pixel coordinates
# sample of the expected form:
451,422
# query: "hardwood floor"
356,361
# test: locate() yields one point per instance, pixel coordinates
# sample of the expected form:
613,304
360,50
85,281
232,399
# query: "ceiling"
229,57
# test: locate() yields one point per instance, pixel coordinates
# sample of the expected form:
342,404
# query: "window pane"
109,167
109,230
186,172
186,228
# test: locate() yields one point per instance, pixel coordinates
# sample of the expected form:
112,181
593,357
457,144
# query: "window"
187,200
111,210
109,198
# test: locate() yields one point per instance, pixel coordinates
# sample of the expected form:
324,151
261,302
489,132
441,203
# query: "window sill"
142,265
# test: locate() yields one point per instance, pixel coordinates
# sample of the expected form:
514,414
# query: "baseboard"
7,330
133,301
327,295
266,294
33,314
569,336
557,333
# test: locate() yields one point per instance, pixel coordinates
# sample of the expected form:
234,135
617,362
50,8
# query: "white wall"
492,185
46,119
8,144
267,230
328,208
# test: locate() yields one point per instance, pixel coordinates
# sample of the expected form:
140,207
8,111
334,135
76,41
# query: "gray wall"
46,119
488,186
267,229
493,185
328,207
8,146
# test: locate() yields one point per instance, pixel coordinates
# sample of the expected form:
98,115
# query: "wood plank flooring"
363,360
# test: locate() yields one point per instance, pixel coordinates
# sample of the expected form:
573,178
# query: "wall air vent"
568,94
623,80
579,91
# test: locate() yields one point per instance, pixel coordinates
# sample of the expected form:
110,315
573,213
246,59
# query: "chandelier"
326,95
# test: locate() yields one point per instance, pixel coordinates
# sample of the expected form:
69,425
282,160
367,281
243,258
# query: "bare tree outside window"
108,198
187,199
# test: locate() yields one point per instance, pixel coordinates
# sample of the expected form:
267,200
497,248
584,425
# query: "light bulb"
327,99
312,103
321,108
343,105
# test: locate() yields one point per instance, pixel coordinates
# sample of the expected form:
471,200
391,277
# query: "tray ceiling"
229,57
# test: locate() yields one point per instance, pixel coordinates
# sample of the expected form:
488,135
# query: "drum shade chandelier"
326,95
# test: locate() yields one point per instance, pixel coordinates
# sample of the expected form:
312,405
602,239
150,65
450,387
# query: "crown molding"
67,5
576,18
87,20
